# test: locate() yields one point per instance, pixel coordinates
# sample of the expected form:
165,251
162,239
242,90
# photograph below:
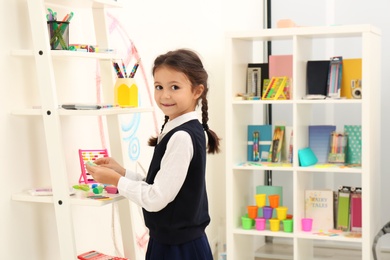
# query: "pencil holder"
337,147
126,92
58,35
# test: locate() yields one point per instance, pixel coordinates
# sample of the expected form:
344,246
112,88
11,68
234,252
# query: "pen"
134,69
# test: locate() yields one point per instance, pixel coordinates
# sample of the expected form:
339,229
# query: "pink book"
281,66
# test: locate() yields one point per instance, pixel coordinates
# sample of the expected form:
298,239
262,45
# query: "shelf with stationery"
53,118
242,177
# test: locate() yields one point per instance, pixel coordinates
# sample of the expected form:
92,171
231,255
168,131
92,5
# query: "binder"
344,195
317,72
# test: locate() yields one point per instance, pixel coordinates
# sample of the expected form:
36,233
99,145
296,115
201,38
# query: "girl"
173,195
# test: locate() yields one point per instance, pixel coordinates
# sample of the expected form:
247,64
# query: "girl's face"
173,92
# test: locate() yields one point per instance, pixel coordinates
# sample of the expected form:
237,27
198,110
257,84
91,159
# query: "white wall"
154,27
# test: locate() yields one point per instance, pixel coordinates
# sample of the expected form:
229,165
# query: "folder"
344,195
317,72
352,70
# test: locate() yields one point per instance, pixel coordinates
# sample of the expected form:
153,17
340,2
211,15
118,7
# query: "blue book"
259,142
319,136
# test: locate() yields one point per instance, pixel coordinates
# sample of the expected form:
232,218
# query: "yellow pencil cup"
126,92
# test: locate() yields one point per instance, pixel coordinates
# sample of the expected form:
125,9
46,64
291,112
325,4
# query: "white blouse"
172,173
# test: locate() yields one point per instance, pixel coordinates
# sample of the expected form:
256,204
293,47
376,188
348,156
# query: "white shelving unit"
51,116
241,181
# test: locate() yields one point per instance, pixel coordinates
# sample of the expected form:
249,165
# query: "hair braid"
153,140
213,139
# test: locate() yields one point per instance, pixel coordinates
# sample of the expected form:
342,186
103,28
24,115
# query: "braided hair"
189,63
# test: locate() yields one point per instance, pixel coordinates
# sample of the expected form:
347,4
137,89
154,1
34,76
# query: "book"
275,150
354,144
317,72
259,142
275,88
356,210
287,146
343,207
282,66
319,137
319,207
352,73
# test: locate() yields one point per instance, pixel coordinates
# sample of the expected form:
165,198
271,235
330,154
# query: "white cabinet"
305,43
52,116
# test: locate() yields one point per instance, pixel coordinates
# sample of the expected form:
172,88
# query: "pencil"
134,69
124,69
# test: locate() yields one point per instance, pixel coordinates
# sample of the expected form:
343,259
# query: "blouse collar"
176,122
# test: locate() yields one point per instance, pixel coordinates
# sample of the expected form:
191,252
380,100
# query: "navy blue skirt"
198,249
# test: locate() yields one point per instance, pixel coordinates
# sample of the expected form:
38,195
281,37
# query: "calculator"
95,255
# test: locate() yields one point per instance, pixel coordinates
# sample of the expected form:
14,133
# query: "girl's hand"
103,174
109,162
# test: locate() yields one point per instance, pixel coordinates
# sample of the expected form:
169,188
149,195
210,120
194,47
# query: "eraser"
111,189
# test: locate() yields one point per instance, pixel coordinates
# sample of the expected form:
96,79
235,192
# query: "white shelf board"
74,200
311,32
302,101
96,112
305,235
275,167
56,54
98,4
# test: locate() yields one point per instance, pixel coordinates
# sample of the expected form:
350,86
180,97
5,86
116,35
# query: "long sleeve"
169,179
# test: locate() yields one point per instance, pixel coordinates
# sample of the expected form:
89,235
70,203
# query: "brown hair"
189,63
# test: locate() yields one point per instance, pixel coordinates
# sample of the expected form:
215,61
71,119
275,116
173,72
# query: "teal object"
307,157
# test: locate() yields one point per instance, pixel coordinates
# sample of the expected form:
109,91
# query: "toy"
88,156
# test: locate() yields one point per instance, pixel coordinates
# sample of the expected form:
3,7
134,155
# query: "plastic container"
126,92
58,35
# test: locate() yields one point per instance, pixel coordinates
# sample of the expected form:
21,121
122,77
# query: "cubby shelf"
242,179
